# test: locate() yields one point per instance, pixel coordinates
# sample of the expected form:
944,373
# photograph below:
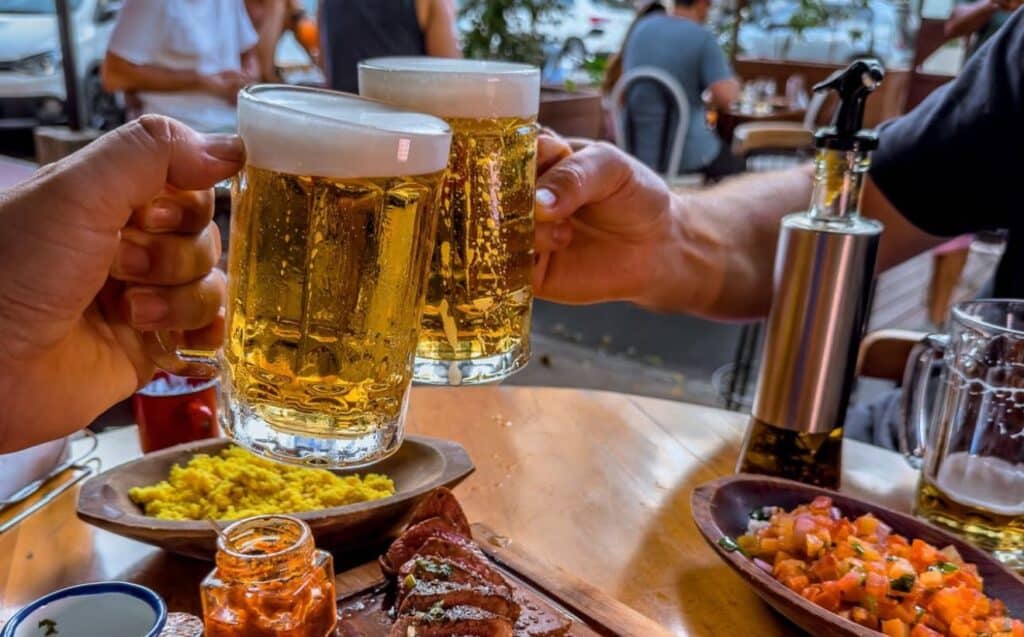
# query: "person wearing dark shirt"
946,168
354,30
678,43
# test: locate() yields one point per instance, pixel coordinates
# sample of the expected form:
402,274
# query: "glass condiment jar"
270,581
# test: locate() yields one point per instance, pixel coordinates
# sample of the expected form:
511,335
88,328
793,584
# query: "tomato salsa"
864,572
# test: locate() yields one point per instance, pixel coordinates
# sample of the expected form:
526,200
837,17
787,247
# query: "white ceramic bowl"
103,609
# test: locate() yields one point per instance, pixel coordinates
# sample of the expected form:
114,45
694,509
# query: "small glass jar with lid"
270,581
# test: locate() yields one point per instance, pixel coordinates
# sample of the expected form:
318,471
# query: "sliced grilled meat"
441,503
459,621
431,569
426,595
538,620
409,542
436,550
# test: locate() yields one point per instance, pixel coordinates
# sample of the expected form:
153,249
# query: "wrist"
685,268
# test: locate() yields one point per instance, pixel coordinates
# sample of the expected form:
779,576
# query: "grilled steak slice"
539,620
430,569
410,541
460,621
425,595
465,557
441,503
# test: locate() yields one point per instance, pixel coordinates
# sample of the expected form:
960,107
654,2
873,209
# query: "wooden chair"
883,354
677,100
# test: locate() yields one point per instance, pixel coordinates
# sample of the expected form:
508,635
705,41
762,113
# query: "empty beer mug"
967,433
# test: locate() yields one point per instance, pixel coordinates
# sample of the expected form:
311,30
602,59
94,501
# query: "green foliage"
507,29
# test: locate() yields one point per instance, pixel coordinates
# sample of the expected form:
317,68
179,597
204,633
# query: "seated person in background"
978,20
644,8
679,44
272,18
354,30
183,58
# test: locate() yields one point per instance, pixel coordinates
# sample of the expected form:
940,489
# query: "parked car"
841,32
31,79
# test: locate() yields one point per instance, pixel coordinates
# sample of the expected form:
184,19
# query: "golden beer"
333,223
476,321
978,498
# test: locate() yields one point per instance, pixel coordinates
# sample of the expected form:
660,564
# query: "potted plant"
509,30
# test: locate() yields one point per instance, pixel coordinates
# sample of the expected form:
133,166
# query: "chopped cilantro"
430,566
903,583
944,567
730,545
49,625
857,548
436,612
761,514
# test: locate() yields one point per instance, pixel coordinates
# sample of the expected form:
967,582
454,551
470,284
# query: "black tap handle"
853,85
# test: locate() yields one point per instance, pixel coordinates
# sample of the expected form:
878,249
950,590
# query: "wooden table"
594,482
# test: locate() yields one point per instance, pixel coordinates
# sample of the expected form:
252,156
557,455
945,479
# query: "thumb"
126,168
590,175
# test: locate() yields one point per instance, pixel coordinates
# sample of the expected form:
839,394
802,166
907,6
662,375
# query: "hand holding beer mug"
332,227
476,321
972,440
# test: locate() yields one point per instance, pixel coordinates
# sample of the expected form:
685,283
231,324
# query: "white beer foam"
303,131
453,88
985,482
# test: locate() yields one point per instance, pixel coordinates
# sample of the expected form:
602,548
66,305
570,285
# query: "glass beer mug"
968,438
332,226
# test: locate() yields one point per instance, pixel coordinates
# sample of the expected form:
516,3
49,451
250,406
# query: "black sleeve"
955,164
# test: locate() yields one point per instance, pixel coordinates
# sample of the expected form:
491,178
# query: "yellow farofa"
237,484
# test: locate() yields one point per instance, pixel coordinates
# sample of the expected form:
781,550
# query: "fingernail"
147,308
561,233
224,147
131,259
163,218
546,198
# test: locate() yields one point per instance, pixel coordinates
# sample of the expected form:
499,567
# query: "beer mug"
332,227
476,321
969,443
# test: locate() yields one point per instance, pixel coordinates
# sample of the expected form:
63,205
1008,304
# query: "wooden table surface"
594,482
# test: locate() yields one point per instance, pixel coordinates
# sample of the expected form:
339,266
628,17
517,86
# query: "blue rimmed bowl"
111,609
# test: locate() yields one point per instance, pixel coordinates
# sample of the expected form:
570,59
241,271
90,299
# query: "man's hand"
604,223
225,84
115,240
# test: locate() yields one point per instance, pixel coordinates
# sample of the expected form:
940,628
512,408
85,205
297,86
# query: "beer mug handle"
912,433
167,350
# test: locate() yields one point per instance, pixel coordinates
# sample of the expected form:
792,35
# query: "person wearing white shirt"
186,59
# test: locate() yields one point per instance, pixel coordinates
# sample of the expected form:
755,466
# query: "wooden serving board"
362,595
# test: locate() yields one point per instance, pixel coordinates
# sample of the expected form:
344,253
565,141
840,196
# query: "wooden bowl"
421,465
721,508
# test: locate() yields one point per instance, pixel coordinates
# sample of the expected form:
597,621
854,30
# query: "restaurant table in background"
593,482
727,120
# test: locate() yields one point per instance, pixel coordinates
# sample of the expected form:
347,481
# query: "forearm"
718,260
121,75
969,18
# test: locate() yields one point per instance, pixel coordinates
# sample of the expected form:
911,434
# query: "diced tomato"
895,628
863,571
876,585
920,630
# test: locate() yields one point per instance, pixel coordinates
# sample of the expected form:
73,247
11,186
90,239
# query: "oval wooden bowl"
421,465
722,508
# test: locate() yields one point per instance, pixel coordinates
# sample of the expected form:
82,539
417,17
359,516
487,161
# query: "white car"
31,78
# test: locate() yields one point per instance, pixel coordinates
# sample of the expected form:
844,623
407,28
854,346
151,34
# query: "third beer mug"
476,322
972,440
332,225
